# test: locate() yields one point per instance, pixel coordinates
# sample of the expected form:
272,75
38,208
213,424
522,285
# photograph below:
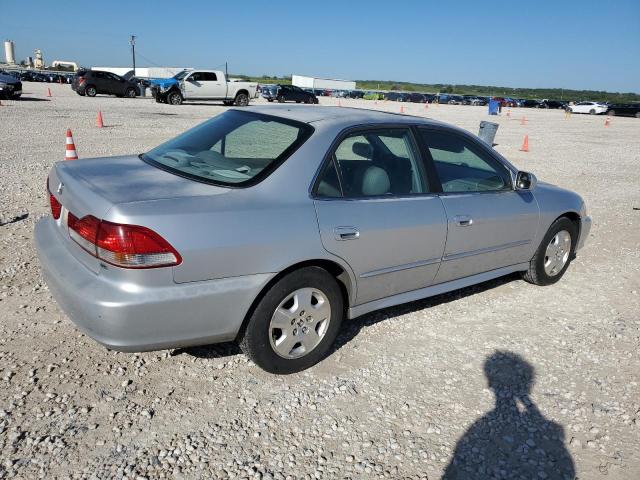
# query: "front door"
376,212
490,225
204,85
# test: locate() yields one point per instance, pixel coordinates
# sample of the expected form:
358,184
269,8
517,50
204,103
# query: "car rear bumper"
129,317
585,228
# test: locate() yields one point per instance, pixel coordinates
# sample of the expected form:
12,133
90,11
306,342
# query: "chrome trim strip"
456,256
399,268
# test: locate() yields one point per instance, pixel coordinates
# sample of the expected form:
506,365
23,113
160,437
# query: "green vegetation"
482,90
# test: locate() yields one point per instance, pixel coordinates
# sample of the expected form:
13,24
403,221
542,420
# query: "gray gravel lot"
406,390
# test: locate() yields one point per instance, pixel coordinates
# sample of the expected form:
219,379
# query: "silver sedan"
270,225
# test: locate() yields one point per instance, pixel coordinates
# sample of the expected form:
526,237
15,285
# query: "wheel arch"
339,272
575,219
243,90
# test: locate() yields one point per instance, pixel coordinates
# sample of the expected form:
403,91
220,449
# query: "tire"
280,99
130,92
174,98
537,273
270,100
287,296
611,113
592,112
90,91
309,100
241,100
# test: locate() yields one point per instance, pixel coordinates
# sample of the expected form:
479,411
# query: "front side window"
374,163
234,148
462,166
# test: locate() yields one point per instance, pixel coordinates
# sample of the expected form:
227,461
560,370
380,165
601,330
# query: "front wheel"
295,323
130,92
242,100
592,112
611,113
174,98
554,254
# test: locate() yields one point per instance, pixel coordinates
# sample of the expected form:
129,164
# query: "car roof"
336,115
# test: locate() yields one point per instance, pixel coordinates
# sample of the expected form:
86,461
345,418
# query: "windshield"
181,75
234,149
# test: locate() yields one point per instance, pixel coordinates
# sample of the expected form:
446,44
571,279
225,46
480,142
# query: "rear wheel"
295,323
280,99
130,92
242,100
90,91
554,254
592,112
174,98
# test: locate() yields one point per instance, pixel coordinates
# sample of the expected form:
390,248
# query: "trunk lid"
94,186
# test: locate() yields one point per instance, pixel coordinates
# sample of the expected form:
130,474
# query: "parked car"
592,108
271,225
10,87
291,93
395,96
269,92
415,98
355,94
189,85
94,82
473,100
528,103
454,99
553,104
624,110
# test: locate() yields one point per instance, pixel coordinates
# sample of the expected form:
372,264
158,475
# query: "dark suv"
290,93
10,86
92,82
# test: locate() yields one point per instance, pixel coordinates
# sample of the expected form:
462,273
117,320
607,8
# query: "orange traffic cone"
70,152
607,122
49,92
523,121
99,123
525,144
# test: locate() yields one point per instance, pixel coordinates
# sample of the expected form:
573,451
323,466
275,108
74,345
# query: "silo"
9,52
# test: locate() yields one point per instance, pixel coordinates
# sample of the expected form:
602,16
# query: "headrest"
375,181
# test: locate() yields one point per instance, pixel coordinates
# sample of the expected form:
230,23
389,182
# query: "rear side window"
234,149
463,166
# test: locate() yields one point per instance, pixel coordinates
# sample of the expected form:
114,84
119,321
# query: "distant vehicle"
415,97
190,85
395,96
240,229
291,93
355,94
624,110
93,82
269,92
340,93
592,108
528,103
455,99
473,100
10,87
553,104
431,97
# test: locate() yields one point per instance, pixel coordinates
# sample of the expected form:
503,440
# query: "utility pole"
132,42
226,70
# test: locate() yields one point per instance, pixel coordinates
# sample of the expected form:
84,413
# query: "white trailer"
303,81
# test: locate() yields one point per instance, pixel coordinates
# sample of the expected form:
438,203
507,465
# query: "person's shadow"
514,440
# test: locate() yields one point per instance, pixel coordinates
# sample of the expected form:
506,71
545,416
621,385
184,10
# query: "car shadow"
514,440
32,99
351,328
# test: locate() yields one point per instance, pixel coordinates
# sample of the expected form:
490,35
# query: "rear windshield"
233,149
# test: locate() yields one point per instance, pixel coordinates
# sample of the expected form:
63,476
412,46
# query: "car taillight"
81,80
127,246
56,206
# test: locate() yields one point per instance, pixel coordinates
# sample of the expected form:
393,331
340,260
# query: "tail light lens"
126,246
56,207
81,80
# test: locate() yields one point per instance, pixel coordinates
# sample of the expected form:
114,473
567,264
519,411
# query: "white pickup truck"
202,85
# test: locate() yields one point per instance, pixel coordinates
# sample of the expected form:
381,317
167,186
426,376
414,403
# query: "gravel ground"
503,380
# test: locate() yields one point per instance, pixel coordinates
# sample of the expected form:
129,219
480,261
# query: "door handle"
346,233
463,220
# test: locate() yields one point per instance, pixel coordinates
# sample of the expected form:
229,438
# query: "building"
322,83
144,72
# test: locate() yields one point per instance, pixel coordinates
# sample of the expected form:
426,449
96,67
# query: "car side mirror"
526,181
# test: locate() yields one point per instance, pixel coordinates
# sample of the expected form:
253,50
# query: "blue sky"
588,44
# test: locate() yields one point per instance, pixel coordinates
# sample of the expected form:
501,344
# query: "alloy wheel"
557,253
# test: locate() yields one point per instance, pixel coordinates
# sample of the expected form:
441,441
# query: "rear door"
376,210
490,225
212,86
